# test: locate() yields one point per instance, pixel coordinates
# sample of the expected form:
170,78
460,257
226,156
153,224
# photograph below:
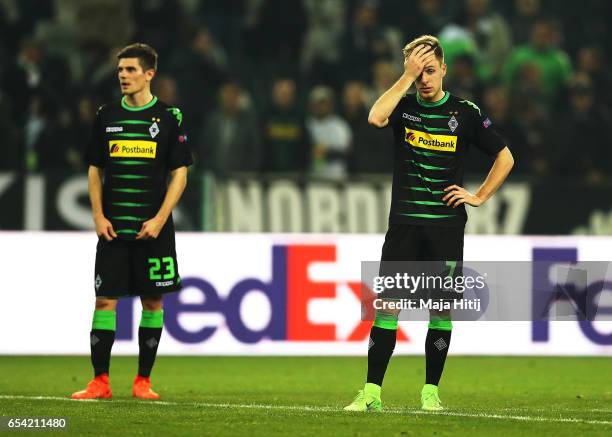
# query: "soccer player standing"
137,145
433,131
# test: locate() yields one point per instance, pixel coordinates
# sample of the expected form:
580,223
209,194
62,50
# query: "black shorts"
439,248
423,243
137,268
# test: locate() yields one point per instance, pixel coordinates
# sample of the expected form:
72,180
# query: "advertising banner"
292,204
277,294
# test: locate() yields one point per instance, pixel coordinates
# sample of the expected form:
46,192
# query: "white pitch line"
320,409
566,410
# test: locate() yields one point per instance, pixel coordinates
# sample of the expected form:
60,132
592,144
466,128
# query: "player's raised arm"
413,67
104,227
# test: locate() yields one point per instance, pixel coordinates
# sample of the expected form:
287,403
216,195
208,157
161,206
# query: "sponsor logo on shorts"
114,129
132,149
98,282
425,140
164,284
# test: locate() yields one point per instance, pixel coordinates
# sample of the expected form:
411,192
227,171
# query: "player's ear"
150,74
443,67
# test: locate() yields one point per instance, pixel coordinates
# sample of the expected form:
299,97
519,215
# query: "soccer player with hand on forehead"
433,132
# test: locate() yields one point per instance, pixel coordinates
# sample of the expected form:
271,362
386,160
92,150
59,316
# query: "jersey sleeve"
180,152
397,113
95,153
485,137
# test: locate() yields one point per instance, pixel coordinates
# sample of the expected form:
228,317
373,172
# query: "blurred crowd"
284,86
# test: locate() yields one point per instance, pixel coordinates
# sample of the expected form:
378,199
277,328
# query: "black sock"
101,341
148,340
436,348
380,349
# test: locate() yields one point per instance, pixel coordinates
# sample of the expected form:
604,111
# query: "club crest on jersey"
154,130
453,123
425,140
132,149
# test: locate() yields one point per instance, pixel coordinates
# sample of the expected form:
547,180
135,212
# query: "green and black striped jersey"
137,147
431,144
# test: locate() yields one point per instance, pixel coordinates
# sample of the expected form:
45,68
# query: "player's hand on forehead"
425,53
421,56
422,49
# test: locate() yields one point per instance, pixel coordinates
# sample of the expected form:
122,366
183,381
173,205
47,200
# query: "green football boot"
367,399
429,398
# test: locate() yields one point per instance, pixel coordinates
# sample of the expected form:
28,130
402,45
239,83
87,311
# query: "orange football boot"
98,388
142,388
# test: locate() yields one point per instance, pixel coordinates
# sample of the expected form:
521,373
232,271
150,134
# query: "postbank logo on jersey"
132,149
425,140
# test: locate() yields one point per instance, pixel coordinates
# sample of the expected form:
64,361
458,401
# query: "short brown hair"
427,40
147,56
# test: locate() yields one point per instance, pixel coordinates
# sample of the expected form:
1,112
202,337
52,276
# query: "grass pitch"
305,396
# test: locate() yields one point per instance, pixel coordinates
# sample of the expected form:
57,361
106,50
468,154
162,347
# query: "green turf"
529,396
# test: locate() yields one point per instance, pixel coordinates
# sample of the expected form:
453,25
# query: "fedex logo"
581,299
289,292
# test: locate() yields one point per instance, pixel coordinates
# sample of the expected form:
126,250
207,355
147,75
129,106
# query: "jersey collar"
432,104
138,108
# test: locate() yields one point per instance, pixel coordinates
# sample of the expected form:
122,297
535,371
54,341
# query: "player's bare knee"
389,312
439,314
152,303
103,304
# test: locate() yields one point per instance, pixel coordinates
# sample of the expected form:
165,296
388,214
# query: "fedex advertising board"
268,294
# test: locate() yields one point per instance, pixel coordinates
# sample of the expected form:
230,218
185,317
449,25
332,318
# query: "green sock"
380,347
101,339
149,334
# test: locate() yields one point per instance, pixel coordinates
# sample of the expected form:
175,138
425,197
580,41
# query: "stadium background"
254,78
291,188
